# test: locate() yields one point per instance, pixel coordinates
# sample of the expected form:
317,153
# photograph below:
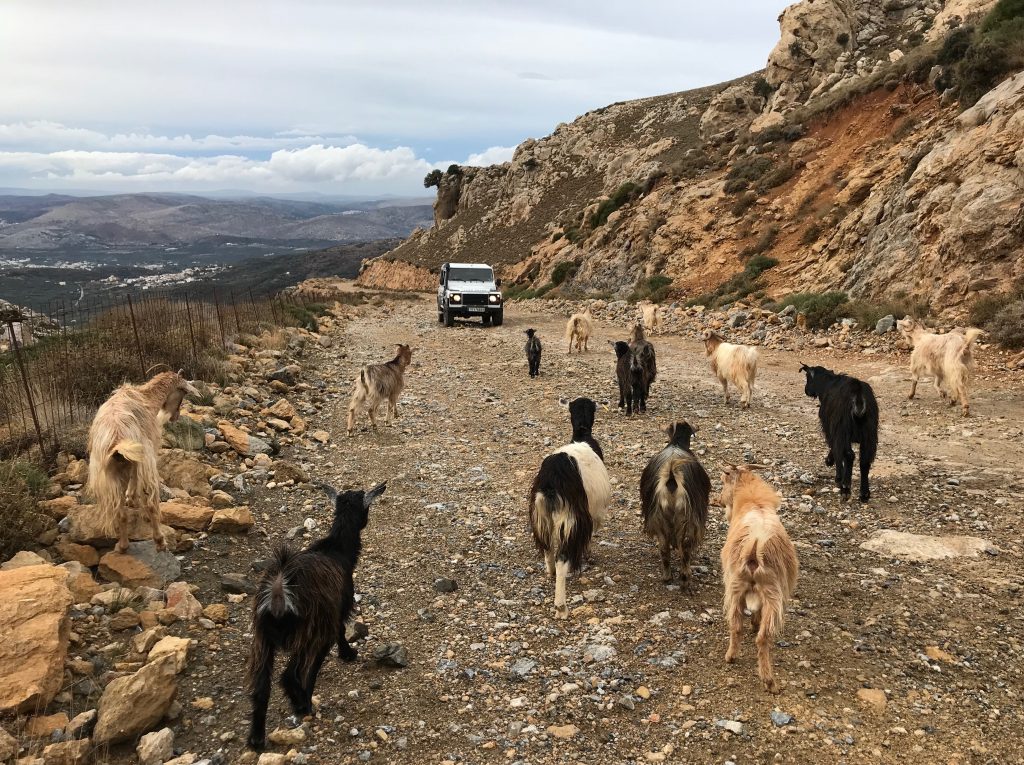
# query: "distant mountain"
58,222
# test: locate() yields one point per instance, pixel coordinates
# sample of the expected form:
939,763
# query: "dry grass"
21,483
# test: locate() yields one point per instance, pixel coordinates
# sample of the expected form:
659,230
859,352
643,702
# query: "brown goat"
376,384
123,443
759,565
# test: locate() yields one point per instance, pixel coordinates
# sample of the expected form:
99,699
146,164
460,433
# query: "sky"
339,97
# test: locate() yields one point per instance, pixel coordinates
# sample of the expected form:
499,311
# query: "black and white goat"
301,607
533,349
848,413
632,378
569,500
674,492
644,350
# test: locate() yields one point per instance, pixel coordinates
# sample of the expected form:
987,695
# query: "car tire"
486,319
449,320
440,316
498,318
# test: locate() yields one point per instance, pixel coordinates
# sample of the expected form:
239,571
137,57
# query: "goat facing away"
848,413
376,384
533,351
649,315
124,440
569,501
948,358
579,329
736,364
759,565
632,378
674,492
301,608
644,350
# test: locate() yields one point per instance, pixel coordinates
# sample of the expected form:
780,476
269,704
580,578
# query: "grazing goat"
674,492
736,364
650,315
948,358
533,349
759,565
645,352
301,607
632,379
378,383
123,443
569,500
578,330
848,413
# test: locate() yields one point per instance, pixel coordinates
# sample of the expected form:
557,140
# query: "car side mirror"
497,282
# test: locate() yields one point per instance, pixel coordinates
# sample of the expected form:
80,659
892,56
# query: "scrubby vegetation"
739,286
746,171
564,270
654,289
623,194
822,309
1001,315
762,245
22,483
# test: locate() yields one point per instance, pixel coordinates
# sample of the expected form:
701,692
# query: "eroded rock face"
35,624
731,110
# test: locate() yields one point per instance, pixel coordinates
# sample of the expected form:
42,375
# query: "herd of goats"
305,598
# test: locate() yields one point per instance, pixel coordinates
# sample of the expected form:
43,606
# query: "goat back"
674,493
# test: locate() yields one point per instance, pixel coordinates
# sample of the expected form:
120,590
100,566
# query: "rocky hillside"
851,162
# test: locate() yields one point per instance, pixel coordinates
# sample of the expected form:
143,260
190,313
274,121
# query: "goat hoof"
160,542
295,720
830,461
349,656
120,548
257,743
770,685
562,613
730,658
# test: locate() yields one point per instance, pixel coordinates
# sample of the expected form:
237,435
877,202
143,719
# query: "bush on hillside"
1007,326
743,203
433,178
21,485
622,195
564,270
654,289
822,309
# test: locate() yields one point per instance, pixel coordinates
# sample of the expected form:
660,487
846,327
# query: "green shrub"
763,244
762,89
751,168
21,483
867,313
811,233
557,235
621,196
739,286
734,185
984,308
743,203
776,177
822,309
564,270
654,289
758,264
955,46
433,178
1005,13
984,64
1007,326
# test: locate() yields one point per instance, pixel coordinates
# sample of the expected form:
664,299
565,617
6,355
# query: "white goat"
578,329
650,315
736,364
947,358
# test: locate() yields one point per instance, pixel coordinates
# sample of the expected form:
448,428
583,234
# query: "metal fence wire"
58,364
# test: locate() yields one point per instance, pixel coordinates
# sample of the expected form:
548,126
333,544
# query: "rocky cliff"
847,164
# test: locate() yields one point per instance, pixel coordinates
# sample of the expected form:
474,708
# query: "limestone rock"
42,726
84,554
873,698
8,746
86,525
919,547
141,565
182,602
232,520
23,559
175,647
135,704
181,471
186,516
155,747
184,433
77,752
58,508
283,409
243,443
35,624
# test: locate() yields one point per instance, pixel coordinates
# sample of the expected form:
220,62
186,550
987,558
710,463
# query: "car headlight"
456,298
494,298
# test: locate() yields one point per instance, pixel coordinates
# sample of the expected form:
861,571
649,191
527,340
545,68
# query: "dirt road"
636,673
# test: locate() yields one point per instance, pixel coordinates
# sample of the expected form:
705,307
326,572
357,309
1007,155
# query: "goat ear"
372,494
753,467
669,429
330,491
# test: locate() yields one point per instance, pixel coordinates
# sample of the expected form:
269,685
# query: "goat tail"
128,451
967,352
275,596
860,402
570,328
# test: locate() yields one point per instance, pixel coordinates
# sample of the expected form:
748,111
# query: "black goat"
674,491
632,378
533,349
644,351
848,413
301,607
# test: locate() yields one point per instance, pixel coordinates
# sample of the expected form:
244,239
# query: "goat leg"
345,650
666,559
847,473
735,630
561,574
913,388
764,657
291,682
311,676
263,667
830,459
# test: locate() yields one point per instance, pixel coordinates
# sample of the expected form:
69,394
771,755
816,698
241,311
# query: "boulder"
289,471
83,587
141,565
35,624
184,433
86,525
8,746
84,554
182,602
125,619
134,704
77,471
244,444
43,726
284,375
231,520
175,647
23,559
885,324
58,508
154,748
283,409
179,470
184,516
76,752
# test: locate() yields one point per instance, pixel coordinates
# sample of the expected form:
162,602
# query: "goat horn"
327,489
372,494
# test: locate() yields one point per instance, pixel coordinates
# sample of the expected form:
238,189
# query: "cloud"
495,155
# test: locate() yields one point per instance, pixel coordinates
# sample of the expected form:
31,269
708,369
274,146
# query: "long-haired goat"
578,329
759,565
848,413
301,607
569,500
649,315
123,443
736,364
379,383
632,378
674,491
948,358
533,350
644,350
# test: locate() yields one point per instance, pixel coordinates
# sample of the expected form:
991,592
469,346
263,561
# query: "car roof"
470,265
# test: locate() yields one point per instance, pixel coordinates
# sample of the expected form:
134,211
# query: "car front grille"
474,299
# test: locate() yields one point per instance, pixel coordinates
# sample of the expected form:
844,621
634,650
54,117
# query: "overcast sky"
335,96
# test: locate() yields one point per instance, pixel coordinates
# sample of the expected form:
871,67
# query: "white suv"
467,290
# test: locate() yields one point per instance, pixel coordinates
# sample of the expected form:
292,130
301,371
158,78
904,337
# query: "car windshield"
470,275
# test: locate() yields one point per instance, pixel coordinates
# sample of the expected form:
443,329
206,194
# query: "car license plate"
477,309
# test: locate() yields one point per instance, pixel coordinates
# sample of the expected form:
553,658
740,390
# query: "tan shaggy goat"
578,330
379,383
650,315
123,443
759,565
736,364
947,358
